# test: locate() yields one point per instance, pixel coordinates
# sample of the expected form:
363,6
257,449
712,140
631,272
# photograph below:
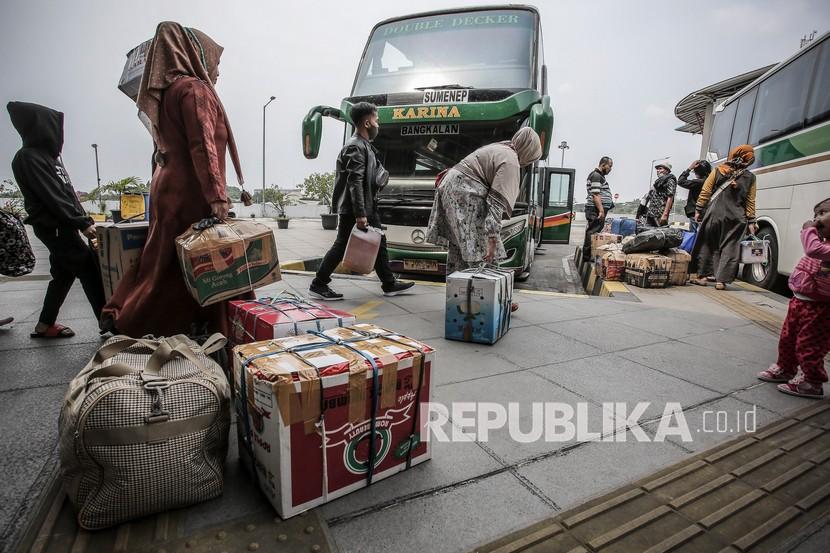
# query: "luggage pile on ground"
144,428
652,258
647,270
601,239
478,304
323,414
119,249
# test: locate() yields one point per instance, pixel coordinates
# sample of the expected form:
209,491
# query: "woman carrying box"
191,132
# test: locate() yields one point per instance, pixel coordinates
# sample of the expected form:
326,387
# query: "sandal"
720,286
54,331
514,307
699,281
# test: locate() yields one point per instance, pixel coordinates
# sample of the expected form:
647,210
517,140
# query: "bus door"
557,204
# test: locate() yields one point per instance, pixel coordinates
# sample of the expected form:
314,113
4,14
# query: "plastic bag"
653,240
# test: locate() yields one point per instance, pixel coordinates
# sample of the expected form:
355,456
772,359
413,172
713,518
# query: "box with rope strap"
326,413
478,304
283,315
220,260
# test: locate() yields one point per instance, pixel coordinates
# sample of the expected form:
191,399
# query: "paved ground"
678,345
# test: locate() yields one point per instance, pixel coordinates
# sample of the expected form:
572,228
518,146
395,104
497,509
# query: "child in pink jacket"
805,337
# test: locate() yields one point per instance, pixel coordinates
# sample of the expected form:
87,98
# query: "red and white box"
305,412
269,318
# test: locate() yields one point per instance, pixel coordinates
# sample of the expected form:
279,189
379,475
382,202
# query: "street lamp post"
263,152
97,172
563,146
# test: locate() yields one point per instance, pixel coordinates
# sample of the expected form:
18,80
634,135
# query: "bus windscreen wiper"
443,86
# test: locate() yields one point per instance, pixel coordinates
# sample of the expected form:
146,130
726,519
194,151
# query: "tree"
278,199
234,193
127,185
319,186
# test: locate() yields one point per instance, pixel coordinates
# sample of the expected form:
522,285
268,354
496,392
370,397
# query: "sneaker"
801,388
397,287
775,374
323,293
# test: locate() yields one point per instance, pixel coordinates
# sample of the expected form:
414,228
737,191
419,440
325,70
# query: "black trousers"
595,225
69,258
335,254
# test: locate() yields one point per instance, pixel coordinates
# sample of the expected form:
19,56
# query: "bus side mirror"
313,128
312,134
541,121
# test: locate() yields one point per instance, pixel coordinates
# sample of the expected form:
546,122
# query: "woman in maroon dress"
178,102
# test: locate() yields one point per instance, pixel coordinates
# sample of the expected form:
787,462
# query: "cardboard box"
610,264
283,418
228,259
601,239
478,305
680,259
119,249
269,318
647,270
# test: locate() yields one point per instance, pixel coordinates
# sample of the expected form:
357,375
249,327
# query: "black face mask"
373,132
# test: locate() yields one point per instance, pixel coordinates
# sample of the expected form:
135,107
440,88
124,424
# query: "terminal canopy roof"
692,109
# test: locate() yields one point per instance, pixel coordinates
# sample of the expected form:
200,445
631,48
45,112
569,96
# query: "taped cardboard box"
292,392
680,259
269,318
647,270
610,264
478,305
227,259
119,249
601,239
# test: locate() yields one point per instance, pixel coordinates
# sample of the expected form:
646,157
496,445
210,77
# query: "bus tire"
764,276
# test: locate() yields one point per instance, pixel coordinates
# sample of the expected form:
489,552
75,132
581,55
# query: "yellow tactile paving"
749,494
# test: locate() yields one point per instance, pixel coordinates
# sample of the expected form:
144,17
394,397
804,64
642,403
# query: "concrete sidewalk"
676,345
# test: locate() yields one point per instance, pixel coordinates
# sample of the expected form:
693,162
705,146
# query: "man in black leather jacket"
360,176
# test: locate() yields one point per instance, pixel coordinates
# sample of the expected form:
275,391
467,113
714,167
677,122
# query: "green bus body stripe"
808,143
470,111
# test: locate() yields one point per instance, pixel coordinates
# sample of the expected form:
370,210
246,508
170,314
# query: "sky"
616,70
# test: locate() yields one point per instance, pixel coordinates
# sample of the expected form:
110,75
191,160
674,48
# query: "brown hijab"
176,52
739,159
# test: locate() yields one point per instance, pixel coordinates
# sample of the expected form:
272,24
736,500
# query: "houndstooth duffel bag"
144,428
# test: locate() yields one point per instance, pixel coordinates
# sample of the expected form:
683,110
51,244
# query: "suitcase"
478,305
628,227
362,249
144,429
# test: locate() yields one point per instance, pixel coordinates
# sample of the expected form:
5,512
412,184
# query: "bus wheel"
764,274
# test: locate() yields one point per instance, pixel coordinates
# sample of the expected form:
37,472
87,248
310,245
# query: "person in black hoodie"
55,214
701,169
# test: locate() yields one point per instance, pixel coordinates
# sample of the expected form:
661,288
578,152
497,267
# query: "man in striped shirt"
599,202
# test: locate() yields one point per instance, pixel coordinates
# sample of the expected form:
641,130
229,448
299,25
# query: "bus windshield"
481,49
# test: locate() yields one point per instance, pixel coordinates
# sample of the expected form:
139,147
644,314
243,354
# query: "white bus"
785,115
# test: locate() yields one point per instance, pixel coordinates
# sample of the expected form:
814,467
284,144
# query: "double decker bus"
446,83
785,114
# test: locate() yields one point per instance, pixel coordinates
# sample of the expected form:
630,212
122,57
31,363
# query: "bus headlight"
511,230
